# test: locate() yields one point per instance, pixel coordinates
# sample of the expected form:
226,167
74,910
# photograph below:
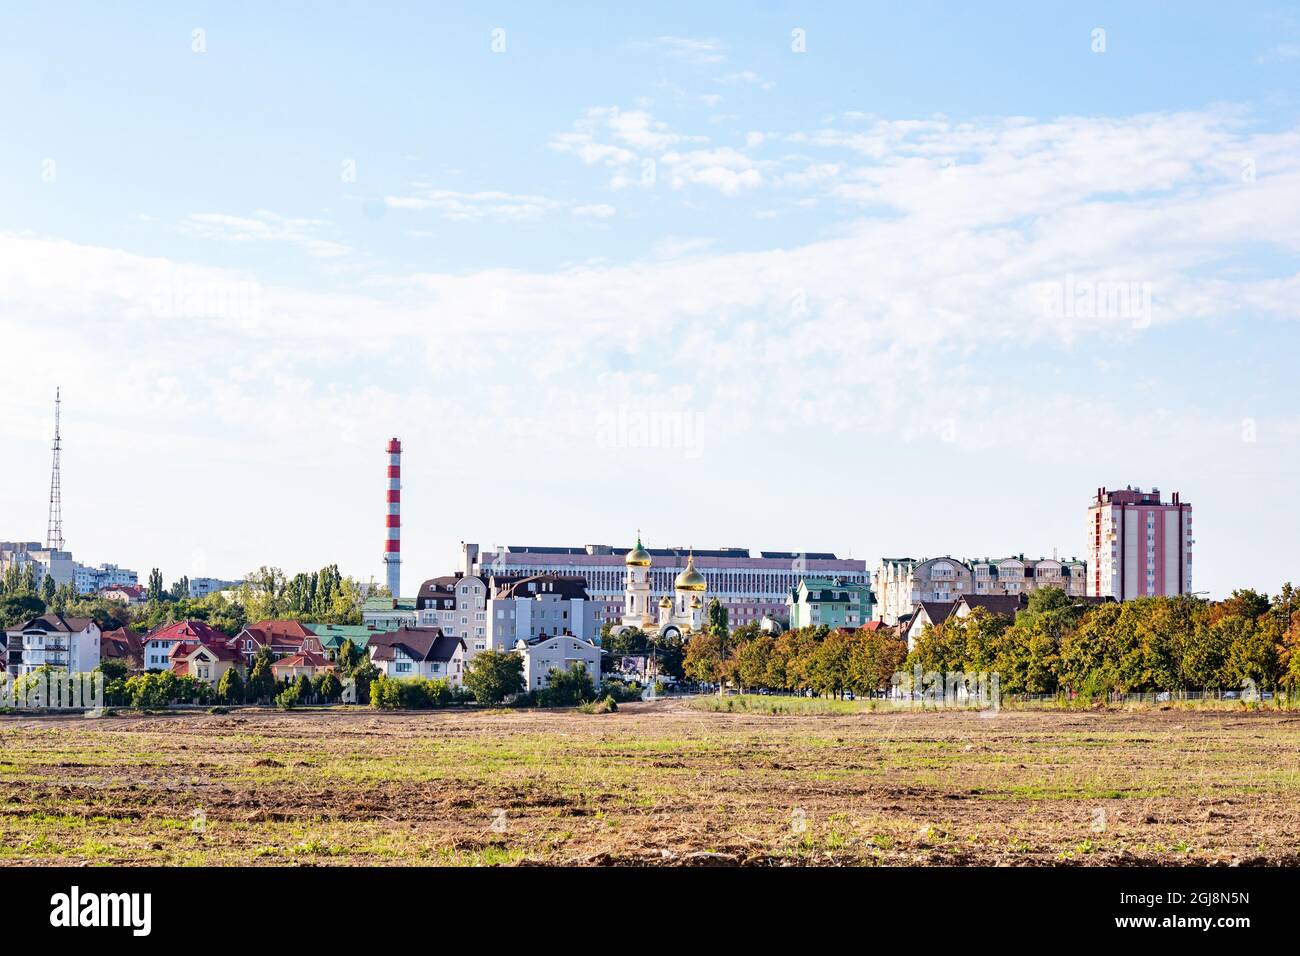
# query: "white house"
65,643
559,653
419,652
541,606
927,612
456,603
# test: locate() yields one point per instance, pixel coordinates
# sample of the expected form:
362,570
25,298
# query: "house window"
402,667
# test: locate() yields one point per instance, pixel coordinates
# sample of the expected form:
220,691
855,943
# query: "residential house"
125,593
927,612
282,637
309,663
456,603
159,642
1006,605
541,605
332,636
834,602
386,613
419,652
64,643
125,645
205,662
558,653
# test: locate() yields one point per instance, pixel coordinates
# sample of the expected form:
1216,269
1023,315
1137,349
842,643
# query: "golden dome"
690,579
665,603
638,557
695,603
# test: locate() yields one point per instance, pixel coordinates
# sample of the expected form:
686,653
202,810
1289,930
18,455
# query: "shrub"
287,699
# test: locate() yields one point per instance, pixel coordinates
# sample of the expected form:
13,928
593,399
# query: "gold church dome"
690,579
695,603
638,557
665,603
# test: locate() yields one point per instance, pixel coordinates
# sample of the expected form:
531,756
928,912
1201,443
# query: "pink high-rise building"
1139,546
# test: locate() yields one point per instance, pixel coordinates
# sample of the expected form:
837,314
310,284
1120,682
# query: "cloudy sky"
883,279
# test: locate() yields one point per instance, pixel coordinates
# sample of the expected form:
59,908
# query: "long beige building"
901,584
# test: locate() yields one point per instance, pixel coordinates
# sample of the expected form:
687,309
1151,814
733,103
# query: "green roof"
332,636
377,605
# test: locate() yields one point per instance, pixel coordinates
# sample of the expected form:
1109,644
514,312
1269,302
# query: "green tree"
48,590
568,688
493,676
112,669
753,659
154,590
261,679
329,687
704,657
303,686
230,688
718,621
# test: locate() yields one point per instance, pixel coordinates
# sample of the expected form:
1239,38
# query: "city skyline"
773,281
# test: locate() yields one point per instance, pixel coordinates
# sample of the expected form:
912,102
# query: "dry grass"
652,783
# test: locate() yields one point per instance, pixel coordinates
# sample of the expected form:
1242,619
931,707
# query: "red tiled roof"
188,630
303,659
221,651
293,629
121,644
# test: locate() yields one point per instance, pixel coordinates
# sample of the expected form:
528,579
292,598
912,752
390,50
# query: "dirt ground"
658,784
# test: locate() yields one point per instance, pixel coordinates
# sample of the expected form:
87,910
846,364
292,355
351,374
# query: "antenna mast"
54,531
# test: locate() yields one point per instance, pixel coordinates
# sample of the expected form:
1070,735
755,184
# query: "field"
660,783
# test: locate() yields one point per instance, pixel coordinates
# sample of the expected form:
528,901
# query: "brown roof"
121,644
422,643
56,623
936,611
1007,605
564,585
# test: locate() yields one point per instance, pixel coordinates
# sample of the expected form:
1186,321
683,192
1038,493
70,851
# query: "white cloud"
930,305
468,206
264,226
594,211
745,78
691,49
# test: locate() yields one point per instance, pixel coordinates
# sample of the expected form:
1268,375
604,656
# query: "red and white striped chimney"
393,544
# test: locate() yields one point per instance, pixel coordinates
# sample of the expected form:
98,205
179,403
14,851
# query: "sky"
872,278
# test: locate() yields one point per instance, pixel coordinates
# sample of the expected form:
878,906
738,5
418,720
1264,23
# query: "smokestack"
393,544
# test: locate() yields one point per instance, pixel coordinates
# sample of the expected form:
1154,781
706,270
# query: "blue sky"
833,278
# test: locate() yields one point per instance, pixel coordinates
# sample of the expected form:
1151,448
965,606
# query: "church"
680,615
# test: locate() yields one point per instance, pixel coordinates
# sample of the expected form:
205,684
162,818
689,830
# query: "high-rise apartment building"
1140,546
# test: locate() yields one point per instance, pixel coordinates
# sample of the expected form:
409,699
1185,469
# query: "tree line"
325,596
1148,644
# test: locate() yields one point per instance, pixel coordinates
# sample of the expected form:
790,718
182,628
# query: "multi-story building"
557,653
387,614
1021,575
1140,546
88,580
456,603
749,585
64,643
43,561
901,584
202,587
419,652
539,607
832,602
